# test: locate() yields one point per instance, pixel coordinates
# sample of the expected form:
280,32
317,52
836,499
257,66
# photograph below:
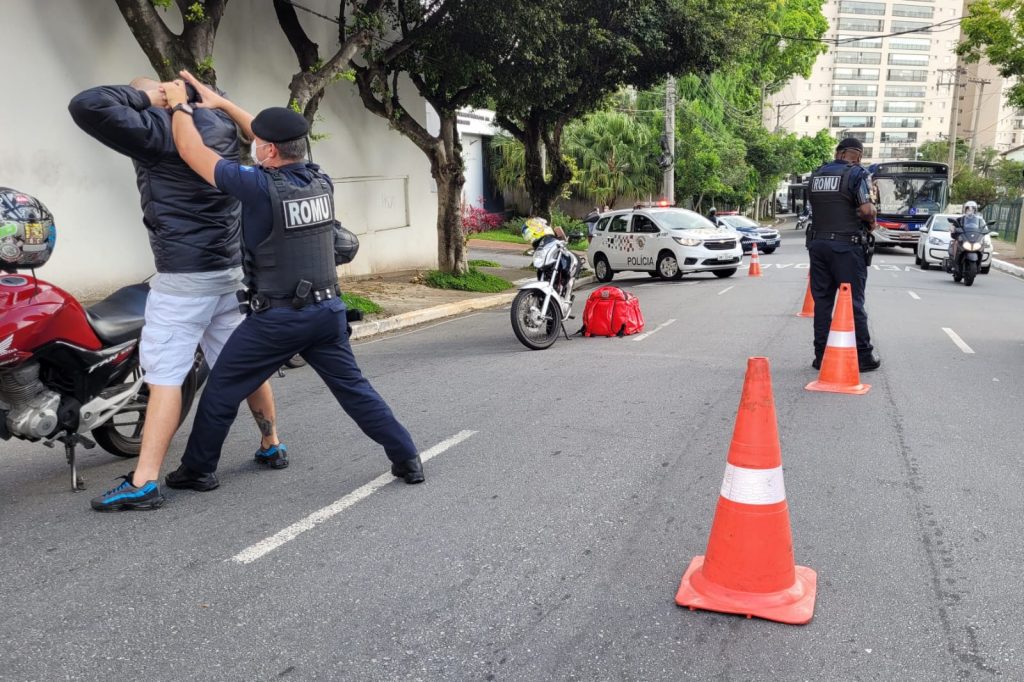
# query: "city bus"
906,193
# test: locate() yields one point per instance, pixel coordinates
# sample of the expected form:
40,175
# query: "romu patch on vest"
306,212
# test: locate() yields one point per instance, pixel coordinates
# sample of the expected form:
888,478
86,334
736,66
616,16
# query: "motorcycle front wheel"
970,272
532,330
122,435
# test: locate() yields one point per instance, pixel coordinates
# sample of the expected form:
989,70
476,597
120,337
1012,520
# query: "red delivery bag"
610,311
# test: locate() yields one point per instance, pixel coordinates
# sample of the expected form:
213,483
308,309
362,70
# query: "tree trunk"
447,171
169,53
539,146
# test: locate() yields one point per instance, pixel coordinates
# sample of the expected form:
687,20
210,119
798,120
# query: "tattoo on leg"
265,425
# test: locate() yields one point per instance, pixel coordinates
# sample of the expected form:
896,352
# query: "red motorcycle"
68,372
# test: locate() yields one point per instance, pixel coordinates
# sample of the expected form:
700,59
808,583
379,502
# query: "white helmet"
970,207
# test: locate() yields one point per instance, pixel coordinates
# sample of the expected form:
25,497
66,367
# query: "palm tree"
615,157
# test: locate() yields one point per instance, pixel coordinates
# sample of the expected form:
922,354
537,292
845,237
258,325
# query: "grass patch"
499,236
484,264
474,280
353,302
579,245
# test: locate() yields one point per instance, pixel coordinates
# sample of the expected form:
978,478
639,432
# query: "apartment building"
984,97
891,92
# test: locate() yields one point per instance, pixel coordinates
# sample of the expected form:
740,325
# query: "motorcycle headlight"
935,241
972,246
688,241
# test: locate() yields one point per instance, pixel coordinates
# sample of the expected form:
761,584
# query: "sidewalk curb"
1008,268
362,330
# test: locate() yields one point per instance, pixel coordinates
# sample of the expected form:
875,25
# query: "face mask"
252,152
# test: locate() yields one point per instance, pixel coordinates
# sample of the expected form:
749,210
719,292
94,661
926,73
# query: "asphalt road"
548,542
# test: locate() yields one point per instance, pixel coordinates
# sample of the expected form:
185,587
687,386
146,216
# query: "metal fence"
1006,215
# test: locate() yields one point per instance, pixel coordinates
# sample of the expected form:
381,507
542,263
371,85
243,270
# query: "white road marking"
957,340
641,337
914,296
254,552
725,290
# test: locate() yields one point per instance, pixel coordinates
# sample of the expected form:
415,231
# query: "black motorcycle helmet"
27,232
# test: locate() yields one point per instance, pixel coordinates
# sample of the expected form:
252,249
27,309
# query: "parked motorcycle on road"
540,308
967,246
803,221
68,372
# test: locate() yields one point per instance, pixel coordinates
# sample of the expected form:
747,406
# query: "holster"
869,248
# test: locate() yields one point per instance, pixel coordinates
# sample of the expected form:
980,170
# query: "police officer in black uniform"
840,245
288,231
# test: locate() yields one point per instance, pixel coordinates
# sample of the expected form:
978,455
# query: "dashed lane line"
914,296
264,547
726,289
958,341
641,337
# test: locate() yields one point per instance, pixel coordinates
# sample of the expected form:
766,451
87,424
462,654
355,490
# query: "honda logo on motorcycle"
5,345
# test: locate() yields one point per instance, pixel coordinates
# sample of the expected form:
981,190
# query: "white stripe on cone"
753,486
842,339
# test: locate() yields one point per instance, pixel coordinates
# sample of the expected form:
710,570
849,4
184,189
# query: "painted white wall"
65,46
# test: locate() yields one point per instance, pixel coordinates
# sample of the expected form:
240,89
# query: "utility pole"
981,82
778,112
957,72
668,145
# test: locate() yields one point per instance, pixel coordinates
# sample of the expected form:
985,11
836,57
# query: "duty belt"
258,302
856,238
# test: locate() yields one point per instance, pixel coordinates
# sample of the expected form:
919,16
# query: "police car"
664,242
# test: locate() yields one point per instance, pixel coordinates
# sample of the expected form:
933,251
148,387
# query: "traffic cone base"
793,605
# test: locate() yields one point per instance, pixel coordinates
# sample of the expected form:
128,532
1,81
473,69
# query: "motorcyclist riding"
970,209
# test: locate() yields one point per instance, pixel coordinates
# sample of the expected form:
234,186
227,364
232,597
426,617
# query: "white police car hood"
704,233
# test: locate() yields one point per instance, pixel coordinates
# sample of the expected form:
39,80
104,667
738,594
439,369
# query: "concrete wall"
56,48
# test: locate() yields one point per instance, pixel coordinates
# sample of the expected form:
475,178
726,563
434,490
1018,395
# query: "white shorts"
175,325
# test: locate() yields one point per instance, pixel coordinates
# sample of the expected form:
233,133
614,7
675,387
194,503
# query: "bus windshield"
911,196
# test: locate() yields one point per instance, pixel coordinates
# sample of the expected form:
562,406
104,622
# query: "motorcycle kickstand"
77,482
564,332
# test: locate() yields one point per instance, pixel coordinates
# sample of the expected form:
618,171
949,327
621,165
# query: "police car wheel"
668,266
925,264
602,270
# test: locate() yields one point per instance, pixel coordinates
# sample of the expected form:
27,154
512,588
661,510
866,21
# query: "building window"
855,74
850,90
859,58
900,123
904,43
866,25
850,7
897,25
898,137
868,152
903,107
913,11
908,75
847,40
908,59
853,121
854,105
904,91
863,136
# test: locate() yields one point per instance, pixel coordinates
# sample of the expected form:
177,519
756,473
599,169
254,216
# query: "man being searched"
288,228
839,243
194,231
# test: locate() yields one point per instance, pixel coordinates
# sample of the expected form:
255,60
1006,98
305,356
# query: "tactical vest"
301,242
831,202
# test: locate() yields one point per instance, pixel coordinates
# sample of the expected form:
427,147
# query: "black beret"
850,143
279,124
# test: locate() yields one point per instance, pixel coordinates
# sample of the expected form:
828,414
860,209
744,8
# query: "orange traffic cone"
755,263
840,371
808,310
749,568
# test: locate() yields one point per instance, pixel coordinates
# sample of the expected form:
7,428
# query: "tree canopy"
995,29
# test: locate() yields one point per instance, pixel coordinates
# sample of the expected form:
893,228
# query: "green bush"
484,264
473,280
514,226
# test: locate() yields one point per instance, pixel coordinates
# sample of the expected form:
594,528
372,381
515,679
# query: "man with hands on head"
194,232
288,237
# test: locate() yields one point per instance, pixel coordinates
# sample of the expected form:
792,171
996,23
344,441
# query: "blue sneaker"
127,497
275,457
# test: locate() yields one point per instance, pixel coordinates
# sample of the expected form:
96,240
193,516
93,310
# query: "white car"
933,247
664,242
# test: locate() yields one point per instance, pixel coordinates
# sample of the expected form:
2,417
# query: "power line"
944,25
